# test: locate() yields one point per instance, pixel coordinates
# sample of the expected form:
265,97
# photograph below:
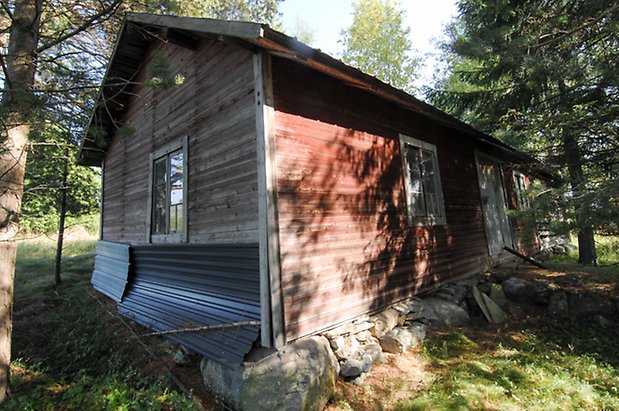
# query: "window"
422,182
520,187
168,188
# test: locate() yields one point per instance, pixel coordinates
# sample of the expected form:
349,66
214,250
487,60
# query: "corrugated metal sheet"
178,286
111,269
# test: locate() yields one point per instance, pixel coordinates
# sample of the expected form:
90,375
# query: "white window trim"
417,220
180,144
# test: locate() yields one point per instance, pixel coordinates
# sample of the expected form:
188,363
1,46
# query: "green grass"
68,352
607,248
520,371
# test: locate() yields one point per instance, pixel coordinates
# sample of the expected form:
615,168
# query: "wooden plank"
270,260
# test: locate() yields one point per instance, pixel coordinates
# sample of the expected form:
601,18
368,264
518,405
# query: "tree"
544,76
303,32
377,42
264,11
56,53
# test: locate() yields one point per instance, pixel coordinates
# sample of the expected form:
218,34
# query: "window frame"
178,237
522,195
412,219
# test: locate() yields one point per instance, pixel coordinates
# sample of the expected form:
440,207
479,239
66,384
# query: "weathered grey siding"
345,244
187,285
214,107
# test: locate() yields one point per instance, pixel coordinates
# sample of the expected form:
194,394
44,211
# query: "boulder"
415,309
375,351
443,312
585,304
415,305
344,346
355,366
538,292
183,357
515,287
401,308
493,313
558,306
363,336
299,377
384,322
401,339
498,296
348,328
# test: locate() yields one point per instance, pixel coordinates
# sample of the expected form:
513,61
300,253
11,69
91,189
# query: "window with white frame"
520,187
168,193
422,182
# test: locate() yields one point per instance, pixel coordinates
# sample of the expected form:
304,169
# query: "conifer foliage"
544,76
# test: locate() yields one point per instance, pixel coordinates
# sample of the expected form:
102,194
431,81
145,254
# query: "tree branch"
82,27
5,6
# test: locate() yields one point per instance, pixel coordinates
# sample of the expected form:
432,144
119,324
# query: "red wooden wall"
346,248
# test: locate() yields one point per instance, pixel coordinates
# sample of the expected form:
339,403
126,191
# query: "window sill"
166,238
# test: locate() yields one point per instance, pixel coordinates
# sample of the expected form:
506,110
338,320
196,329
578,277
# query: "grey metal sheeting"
191,285
111,269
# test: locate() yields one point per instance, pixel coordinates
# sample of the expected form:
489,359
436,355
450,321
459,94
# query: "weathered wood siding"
215,108
345,246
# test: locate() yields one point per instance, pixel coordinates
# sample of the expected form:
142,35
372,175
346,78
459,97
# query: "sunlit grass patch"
519,373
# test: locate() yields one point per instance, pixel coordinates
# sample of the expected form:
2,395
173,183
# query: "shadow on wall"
346,244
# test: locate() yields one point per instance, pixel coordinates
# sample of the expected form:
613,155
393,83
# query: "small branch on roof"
205,328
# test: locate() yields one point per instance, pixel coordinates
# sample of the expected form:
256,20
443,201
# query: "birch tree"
378,43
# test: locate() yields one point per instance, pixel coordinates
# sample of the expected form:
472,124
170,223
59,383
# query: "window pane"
173,228
160,171
179,218
176,178
159,210
415,181
430,188
419,208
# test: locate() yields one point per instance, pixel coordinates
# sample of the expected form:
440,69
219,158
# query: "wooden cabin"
250,178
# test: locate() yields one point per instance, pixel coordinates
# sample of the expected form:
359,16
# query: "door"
498,232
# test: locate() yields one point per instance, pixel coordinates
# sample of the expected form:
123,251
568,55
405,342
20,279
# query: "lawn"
70,352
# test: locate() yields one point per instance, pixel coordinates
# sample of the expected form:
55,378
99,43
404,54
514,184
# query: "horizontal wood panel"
214,107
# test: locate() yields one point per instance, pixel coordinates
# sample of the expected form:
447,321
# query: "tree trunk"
573,158
63,214
17,104
12,161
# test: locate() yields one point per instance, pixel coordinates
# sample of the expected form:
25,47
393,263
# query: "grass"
515,370
607,248
532,362
68,352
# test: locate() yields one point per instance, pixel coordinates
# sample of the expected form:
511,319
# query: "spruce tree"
544,76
